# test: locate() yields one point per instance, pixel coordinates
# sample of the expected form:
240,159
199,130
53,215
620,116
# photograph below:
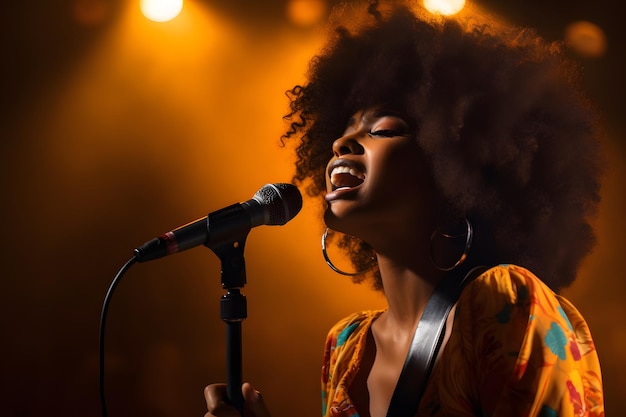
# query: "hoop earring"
330,263
469,234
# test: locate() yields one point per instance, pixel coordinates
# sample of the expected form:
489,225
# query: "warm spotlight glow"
586,39
444,7
306,12
91,12
161,10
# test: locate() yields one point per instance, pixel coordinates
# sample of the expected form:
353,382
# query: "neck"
408,286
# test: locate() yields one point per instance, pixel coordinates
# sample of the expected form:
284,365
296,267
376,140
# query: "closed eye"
385,133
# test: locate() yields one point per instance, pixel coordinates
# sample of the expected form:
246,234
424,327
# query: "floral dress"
516,349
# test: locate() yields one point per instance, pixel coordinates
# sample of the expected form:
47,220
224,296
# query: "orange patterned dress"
516,349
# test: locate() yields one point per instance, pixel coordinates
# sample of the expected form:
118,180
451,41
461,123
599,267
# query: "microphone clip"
231,255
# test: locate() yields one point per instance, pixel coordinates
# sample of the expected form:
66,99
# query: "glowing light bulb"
444,7
161,10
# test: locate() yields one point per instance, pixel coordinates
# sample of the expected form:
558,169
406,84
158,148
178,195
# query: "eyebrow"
389,112
367,116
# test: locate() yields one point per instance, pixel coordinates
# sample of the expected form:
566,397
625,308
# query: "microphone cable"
103,316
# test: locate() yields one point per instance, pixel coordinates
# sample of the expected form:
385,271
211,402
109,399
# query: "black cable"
103,316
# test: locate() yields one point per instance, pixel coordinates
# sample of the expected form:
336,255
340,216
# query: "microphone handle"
185,237
219,227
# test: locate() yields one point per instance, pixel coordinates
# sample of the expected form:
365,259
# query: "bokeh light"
91,12
585,39
306,13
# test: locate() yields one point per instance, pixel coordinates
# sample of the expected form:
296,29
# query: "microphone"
274,204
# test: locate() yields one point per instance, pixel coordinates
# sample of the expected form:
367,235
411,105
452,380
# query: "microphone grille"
281,201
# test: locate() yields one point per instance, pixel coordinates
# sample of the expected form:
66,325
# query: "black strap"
426,343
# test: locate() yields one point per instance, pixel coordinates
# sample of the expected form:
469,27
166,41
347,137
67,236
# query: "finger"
215,396
254,401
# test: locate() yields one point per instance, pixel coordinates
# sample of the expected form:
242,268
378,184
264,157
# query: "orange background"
115,129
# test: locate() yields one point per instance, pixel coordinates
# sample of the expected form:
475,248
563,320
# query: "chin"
330,219
340,221
334,220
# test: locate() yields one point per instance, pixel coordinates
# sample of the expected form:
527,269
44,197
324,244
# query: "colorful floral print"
516,349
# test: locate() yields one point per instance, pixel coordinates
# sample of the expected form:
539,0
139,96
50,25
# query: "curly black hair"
511,140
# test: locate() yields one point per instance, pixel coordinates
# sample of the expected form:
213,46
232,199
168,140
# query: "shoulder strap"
426,343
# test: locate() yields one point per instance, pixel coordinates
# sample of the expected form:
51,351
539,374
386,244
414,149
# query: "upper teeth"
346,170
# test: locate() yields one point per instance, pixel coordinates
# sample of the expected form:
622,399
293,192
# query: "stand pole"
233,310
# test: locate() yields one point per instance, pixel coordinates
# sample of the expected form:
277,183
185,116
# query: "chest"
375,382
380,367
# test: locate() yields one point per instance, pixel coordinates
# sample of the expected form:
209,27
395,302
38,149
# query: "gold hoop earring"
330,263
469,235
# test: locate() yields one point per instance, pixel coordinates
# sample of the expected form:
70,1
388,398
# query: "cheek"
403,163
404,174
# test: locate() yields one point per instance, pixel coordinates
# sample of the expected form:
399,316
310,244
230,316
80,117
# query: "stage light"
161,10
444,7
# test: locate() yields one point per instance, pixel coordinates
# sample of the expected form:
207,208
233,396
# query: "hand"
215,396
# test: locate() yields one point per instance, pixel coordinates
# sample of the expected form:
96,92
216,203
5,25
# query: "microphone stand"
233,310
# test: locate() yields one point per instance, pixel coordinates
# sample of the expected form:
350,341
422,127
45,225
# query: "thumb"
253,401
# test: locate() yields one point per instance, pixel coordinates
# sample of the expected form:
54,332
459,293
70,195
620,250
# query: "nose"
347,144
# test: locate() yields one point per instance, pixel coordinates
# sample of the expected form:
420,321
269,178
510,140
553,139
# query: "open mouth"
345,177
